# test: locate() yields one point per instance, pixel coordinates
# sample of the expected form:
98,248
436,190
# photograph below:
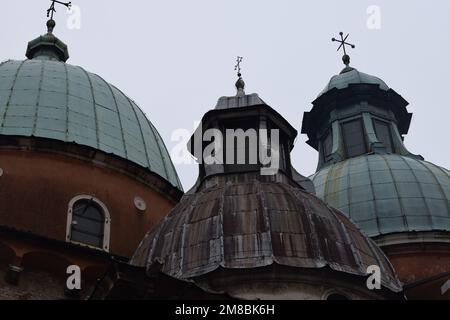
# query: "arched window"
88,222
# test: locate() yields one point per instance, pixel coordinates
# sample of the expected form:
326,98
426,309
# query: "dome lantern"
259,131
48,46
356,114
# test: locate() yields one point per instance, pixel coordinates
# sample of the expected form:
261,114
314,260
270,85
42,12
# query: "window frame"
328,134
388,126
360,122
106,225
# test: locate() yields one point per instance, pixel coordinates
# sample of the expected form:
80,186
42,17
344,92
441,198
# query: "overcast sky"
175,58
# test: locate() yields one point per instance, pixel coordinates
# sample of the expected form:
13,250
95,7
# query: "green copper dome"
388,193
48,98
352,76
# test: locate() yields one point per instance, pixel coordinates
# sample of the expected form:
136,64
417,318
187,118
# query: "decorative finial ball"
341,33
239,75
51,24
240,84
346,59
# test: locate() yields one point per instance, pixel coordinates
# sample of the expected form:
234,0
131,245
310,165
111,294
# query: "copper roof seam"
67,101
326,183
263,205
172,166
140,129
402,209
430,216
187,215
425,164
36,113
268,223
221,228
373,195
356,254
342,224
349,188
319,258
118,115
159,227
162,154
11,92
94,105
308,234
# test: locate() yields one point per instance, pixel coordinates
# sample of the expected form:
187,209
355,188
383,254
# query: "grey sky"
175,58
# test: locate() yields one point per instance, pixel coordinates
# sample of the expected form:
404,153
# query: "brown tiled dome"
243,222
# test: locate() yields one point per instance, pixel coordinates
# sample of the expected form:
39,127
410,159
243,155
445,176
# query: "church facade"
87,186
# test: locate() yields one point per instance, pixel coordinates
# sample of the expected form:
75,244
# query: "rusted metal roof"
239,222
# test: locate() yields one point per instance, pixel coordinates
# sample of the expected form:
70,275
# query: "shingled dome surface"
254,224
55,100
343,80
386,194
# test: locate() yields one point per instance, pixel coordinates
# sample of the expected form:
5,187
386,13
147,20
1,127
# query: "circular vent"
140,204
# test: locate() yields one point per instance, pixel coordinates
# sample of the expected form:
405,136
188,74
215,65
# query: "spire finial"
51,23
343,43
237,67
240,84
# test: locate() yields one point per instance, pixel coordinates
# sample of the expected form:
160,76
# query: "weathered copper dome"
351,76
246,221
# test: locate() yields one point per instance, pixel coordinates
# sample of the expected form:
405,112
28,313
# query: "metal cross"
343,43
238,65
52,9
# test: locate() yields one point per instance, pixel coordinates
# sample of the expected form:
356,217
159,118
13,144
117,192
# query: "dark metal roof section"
236,218
242,221
239,101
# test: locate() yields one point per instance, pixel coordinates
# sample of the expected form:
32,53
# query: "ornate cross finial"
52,9
240,84
346,57
238,66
